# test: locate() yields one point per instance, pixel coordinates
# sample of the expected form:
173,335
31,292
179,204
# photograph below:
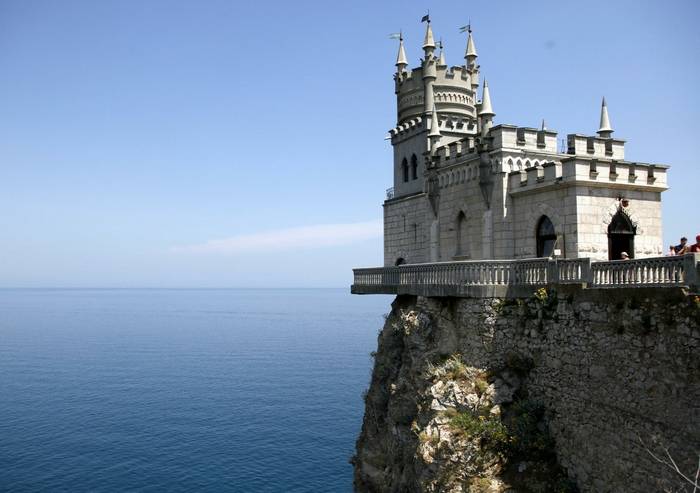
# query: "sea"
242,390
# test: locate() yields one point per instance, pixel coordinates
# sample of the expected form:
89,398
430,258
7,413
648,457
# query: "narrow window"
461,249
414,167
404,169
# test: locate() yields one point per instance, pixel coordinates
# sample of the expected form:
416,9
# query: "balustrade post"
553,271
586,272
691,271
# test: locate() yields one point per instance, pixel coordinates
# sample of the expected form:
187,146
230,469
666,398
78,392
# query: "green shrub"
488,429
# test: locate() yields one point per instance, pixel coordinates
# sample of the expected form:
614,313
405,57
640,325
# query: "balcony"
493,278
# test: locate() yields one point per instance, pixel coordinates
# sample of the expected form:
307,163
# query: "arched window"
621,233
404,169
462,248
399,261
546,237
414,167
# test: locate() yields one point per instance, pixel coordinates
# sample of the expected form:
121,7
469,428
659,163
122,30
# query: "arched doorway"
546,237
621,233
400,261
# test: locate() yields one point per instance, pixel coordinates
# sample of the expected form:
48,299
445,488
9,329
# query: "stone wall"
595,208
616,371
405,230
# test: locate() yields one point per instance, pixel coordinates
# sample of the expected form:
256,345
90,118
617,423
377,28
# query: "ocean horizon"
183,389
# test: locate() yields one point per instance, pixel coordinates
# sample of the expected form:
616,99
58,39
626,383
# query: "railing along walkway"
648,272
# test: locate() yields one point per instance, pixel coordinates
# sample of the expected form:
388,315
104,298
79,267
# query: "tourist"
695,248
625,256
671,251
682,247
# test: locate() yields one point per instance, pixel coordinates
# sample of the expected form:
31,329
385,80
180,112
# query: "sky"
241,144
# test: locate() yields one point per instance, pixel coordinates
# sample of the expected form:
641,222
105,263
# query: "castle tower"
433,86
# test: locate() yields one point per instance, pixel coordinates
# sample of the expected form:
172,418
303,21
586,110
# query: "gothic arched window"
546,237
404,169
414,167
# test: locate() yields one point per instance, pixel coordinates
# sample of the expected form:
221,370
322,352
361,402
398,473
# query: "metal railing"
648,272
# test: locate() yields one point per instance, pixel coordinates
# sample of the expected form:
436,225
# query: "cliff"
561,391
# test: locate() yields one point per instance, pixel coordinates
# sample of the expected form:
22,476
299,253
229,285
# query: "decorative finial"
434,125
605,131
543,127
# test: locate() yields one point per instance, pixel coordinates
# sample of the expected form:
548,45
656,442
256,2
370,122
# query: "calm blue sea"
183,390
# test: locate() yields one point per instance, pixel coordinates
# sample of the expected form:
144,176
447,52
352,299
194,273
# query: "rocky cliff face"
560,392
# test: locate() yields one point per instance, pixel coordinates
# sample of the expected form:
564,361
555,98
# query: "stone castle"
521,353
466,189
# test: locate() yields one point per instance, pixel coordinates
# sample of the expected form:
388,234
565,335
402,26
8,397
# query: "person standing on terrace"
696,247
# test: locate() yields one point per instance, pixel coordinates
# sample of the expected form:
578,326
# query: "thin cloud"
315,236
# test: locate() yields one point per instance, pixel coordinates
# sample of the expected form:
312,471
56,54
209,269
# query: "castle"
466,189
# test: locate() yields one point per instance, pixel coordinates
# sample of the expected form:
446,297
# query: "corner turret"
429,68
434,134
486,113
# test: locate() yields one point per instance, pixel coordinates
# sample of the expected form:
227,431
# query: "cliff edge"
559,392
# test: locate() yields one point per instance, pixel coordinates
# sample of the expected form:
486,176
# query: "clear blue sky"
172,143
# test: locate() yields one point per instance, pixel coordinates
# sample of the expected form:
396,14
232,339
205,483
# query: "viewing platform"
497,278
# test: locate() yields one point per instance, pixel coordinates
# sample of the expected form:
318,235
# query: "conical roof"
605,127
486,108
434,124
401,57
441,59
429,41
471,49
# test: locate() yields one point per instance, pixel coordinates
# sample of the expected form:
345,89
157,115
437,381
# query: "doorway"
621,233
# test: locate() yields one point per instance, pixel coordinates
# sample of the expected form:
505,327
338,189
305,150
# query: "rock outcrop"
555,393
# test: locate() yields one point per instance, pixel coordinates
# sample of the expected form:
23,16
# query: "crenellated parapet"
574,171
453,94
594,146
524,138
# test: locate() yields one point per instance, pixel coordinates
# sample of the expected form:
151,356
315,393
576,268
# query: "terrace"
486,278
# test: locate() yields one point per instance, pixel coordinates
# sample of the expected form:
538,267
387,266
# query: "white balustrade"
657,271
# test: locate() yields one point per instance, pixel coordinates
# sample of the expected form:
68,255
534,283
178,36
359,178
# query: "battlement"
510,136
452,91
593,146
591,172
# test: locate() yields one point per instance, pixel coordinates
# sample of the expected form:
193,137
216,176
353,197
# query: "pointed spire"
401,61
434,125
471,49
441,60
470,55
605,130
486,108
429,41
543,127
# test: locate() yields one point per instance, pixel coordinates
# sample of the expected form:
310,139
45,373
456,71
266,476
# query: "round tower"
434,84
